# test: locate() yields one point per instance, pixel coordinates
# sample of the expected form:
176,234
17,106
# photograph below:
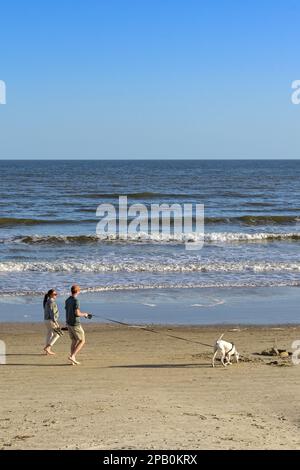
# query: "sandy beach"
139,390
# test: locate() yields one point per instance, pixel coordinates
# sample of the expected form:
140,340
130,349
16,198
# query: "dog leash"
151,330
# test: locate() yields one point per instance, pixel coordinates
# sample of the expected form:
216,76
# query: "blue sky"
149,79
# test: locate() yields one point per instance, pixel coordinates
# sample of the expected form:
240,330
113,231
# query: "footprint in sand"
22,437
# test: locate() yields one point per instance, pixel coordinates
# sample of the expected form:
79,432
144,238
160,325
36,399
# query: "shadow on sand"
160,366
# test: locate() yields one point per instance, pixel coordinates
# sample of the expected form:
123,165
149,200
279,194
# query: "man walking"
73,315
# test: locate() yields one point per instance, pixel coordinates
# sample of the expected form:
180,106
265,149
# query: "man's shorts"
76,333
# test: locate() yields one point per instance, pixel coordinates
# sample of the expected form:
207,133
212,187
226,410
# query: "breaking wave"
147,267
14,221
246,220
212,237
255,220
161,285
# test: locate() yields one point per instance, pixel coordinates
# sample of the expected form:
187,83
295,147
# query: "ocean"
48,227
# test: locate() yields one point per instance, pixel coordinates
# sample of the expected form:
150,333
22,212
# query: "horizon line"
155,159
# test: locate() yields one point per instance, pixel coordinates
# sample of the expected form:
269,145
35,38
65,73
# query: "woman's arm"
54,313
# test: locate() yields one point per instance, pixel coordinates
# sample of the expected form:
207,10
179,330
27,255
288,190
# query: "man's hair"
75,289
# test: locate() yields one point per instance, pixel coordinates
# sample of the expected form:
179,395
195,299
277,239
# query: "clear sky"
149,78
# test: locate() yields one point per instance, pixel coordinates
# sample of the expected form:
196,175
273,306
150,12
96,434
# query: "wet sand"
139,390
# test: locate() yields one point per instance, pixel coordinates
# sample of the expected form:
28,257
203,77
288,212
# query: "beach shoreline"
139,390
193,306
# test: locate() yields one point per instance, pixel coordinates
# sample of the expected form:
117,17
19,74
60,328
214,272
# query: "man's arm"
78,313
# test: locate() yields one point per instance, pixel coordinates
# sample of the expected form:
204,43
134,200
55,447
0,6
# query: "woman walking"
51,315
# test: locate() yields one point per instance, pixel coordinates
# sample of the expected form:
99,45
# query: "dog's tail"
221,337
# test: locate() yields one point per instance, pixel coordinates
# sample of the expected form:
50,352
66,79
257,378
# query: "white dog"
227,350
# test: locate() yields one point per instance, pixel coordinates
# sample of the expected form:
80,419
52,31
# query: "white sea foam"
210,237
211,303
160,286
147,266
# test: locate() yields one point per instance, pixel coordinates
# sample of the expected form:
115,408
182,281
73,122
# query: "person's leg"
79,346
80,336
49,338
54,338
72,338
73,346
74,342
48,333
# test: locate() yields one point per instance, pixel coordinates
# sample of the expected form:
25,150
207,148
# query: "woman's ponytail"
46,297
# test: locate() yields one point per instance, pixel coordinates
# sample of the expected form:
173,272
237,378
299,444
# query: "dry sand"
139,390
